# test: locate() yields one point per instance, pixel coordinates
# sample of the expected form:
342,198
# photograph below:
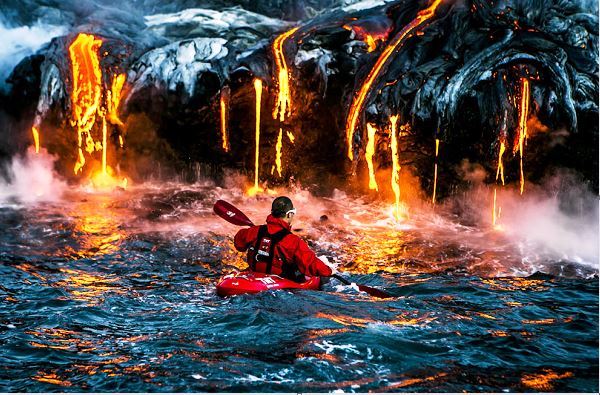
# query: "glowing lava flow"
104,147
258,91
523,115
500,168
223,103
278,153
437,149
36,139
114,99
283,105
395,166
369,156
356,107
87,90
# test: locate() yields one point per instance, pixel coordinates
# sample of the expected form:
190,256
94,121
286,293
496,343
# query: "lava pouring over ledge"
356,108
87,91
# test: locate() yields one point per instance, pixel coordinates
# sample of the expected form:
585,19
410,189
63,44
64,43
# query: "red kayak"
252,282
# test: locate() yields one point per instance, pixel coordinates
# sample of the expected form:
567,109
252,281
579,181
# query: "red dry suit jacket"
295,250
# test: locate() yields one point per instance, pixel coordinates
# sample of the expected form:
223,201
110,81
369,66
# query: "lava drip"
258,94
395,166
356,108
114,99
36,139
224,106
283,103
521,138
500,167
370,151
278,152
435,170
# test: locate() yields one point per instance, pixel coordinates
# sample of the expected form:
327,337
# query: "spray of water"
31,179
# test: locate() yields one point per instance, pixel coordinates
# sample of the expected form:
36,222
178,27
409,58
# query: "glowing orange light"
36,139
283,104
87,89
435,171
522,135
500,168
121,141
290,136
370,151
356,107
114,99
224,101
104,146
543,381
278,151
258,92
395,166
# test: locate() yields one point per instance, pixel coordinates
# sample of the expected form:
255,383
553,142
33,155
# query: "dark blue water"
116,293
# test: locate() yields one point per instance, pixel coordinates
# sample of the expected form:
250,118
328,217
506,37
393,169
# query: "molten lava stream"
258,92
395,166
522,135
87,90
356,107
36,139
278,151
224,106
283,105
370,151
500,168
114,99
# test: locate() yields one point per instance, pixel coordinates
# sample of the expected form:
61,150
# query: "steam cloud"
31,179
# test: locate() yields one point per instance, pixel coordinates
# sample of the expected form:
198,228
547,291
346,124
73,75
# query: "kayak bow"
253,282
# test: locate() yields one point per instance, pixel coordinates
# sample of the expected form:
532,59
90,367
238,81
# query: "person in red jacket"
274,249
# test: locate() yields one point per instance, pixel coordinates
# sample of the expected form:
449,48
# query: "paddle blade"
377,293
231,214
371,291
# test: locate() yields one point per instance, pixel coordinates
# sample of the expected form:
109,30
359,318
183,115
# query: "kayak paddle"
371,291
233,215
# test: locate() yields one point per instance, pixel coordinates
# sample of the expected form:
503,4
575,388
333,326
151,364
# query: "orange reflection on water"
87,287
405,320
97,226
543,381
29,269
345,320
516,284
545,321
414,381
62,339
51,378
484,315
373,253
322,356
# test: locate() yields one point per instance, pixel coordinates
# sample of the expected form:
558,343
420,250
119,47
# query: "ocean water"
116,292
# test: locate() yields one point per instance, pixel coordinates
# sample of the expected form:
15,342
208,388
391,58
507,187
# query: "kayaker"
274,249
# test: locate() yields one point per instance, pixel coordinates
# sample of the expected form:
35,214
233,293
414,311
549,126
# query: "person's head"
283,208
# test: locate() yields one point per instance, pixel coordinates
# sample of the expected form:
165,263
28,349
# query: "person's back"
273,249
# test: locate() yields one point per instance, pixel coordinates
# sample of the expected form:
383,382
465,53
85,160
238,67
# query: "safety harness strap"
275,239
